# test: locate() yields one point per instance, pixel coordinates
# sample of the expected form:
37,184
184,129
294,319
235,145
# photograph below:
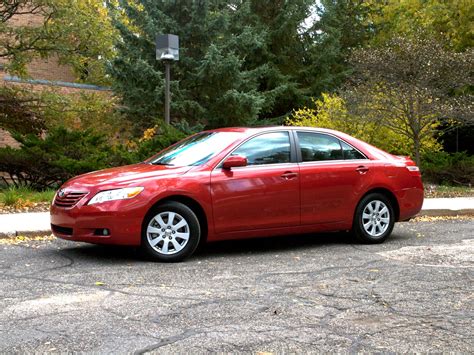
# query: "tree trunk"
416,141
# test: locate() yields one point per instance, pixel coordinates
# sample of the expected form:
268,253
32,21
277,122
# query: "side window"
268,148
351,152
318,146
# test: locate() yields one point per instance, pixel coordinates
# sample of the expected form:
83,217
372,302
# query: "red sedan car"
241,183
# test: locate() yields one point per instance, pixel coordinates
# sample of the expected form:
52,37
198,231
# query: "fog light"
102,232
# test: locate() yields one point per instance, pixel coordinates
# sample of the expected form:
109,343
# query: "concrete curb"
423,213
24,224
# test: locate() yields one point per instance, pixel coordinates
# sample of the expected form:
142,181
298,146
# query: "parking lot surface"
413,293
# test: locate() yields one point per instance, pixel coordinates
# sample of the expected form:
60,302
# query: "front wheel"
170,232
374,219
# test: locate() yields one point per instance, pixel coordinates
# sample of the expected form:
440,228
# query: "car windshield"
195,150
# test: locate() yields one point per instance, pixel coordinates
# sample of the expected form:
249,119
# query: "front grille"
69,199
61,230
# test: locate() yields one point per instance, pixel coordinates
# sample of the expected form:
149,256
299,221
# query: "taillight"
409,164
413,169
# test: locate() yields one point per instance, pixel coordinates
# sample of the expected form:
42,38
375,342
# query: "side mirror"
234,161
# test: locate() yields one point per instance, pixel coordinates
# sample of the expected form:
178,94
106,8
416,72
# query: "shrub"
19,110
446,168
62,154
186,128
155,139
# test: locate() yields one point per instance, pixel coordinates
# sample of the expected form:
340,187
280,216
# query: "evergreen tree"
239,61
283,56
342,26
209,83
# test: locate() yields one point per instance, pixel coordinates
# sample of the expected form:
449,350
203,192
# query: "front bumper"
123,219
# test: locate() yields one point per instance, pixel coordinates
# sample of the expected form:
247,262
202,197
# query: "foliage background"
340,64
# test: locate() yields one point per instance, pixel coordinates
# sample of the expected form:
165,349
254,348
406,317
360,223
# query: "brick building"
46,69
43,74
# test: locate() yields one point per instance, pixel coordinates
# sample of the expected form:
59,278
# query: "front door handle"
362,169
287,175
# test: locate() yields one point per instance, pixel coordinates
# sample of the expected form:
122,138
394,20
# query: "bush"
18,110
154,140
448,168
62,154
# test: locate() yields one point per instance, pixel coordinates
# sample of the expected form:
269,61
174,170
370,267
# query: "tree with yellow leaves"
80,33
451,22
331,111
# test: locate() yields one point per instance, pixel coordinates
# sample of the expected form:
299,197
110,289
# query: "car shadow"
111,254
122,254
285,243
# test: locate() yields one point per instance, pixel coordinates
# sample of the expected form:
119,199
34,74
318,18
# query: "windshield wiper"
161,163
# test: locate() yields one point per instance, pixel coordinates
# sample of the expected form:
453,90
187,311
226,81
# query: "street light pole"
167,92
167,50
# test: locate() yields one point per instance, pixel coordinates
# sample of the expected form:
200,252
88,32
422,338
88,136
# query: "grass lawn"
18,197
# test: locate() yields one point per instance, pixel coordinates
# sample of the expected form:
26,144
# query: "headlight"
118,194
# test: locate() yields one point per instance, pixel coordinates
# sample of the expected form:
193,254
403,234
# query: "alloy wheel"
376,218
168,232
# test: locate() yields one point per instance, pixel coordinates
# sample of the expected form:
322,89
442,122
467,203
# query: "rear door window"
319,147
350,152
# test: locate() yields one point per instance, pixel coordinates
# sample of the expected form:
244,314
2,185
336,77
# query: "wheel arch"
194,205
388,194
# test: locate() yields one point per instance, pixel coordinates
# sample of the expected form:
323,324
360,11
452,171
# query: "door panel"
256,197
331,191
264,194
330,185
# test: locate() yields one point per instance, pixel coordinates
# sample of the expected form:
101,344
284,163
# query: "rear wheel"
170,232
374,219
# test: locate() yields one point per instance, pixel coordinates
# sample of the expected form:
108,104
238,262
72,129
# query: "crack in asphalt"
167,341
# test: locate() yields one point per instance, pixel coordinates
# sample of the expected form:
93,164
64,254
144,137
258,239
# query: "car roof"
366,148
252,130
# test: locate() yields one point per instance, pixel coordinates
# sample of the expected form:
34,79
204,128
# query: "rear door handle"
362,169
287,175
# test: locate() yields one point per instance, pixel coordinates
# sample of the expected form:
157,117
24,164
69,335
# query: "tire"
374,219
170,232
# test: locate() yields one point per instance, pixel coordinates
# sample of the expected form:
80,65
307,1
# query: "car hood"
124,175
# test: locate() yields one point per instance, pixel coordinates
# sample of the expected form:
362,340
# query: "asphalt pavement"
310,293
